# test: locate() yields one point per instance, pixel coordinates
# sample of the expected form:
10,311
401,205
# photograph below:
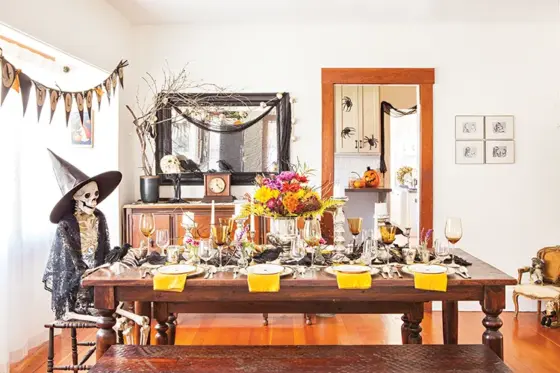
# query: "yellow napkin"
431,281
170,282
263,283
353,280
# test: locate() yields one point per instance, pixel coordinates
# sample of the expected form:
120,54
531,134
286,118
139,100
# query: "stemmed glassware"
162,240
221,235
387,233
441,250
453,233
147,226
312,236
355,226
297,251
206,250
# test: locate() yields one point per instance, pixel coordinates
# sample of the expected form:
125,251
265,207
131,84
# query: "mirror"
374,124
245,134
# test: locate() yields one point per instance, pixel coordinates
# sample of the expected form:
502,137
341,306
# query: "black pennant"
79,96
40,97
114,81
8,79
54,96
107,84
99,93
67,105
120,72
25,89
89,102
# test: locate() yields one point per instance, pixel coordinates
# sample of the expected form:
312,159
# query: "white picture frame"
498,127
469,127
469,152
500,152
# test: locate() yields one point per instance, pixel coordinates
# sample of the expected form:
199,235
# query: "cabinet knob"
356,144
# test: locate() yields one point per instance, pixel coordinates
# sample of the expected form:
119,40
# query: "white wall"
508,211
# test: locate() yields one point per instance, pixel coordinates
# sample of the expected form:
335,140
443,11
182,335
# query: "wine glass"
355,226
162,240
220,234
312,236
206,250
368,252
388,233
297,251
147,226
441,250
453,233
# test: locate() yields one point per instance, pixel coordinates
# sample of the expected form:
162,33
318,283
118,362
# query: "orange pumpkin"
359,183
371,178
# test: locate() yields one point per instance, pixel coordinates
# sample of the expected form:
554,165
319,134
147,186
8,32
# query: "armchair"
549,290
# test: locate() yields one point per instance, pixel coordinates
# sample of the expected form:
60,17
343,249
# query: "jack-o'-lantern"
371,178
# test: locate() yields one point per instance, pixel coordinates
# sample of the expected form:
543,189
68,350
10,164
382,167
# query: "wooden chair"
550,289
73,326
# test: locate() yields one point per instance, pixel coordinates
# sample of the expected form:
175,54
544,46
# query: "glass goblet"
162,240
220,235
453,233
312,236
355,227
206,250
147,226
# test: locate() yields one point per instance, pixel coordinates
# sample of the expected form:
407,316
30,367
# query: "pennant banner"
15,79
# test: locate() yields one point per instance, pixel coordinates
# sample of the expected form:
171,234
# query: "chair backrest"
551,257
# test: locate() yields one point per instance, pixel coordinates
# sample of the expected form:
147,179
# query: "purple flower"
286,176
273,183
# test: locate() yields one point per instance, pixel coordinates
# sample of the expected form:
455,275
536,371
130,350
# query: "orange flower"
291,203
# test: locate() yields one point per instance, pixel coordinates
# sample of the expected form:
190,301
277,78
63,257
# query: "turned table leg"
172,324
415,318
450,316
493,304
106,336
161,315
405,329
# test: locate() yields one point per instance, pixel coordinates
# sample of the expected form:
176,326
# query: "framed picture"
469,127
469,152
499,127
81,135
500,152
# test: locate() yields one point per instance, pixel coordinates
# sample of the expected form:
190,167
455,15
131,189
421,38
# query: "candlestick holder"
252,235
406,233
339,230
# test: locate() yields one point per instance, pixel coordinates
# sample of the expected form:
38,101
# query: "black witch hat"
70,180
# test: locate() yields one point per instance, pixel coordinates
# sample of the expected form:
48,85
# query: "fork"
396,270
387,271
464,271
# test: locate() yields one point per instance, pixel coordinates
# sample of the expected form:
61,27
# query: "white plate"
350,268
427,268
266,269
331,271
177,269
287,271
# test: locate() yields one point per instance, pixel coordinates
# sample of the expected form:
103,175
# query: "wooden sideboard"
168,216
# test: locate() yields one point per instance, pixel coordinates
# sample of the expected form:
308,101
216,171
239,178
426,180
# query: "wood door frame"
425,79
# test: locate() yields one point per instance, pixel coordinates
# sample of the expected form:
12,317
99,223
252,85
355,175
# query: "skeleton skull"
86,198
170,165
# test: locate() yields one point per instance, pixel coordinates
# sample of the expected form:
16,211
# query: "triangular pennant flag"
25,88
114,81
16,85
40,96
120,71
89,102
99,93
108,89
54,96
79,96
67,105
8,79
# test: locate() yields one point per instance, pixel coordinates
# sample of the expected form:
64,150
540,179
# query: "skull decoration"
86,198
170,165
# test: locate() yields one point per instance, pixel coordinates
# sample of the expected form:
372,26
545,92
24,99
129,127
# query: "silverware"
383,274
464,271
146,271
387,271
396,270
235,272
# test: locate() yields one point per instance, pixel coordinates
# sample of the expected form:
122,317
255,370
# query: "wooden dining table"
315,292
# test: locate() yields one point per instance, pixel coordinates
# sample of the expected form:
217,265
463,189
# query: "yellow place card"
263,283
174,283
353,280
430,281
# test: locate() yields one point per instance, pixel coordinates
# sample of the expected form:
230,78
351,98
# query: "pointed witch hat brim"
70,179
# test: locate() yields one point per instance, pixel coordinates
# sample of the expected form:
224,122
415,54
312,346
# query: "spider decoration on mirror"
347,132
372,141
347,104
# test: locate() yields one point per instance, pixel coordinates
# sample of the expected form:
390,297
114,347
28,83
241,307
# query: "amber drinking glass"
221,235
147,226
355,226
388,233
453,233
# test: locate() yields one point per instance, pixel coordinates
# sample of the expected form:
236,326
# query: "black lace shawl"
65,266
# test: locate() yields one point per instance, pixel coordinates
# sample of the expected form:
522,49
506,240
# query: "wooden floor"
528,346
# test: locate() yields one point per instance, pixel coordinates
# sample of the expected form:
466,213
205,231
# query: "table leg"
171,324
106,336
161,315
493,304
405,329
415,318
450,316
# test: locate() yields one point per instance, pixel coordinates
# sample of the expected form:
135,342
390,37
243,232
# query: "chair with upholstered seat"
549,290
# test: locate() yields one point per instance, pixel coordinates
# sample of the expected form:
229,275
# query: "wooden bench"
300,359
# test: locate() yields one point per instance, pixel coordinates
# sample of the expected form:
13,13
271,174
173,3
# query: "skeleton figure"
535,273
81,243
169,164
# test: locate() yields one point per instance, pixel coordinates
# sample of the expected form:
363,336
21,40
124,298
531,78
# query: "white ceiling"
158,12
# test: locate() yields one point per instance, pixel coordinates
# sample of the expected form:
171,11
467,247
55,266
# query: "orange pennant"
16,85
